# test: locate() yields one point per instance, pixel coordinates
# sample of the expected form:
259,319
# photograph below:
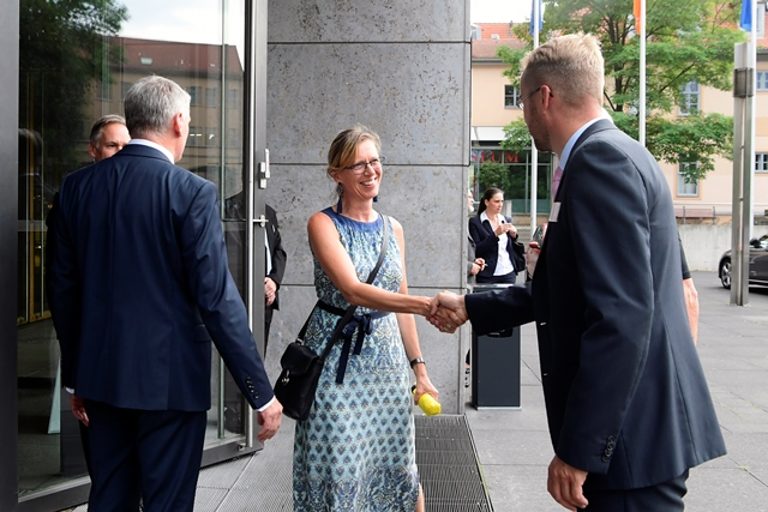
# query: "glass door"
76,63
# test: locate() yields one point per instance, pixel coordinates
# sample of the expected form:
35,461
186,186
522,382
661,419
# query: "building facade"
495,104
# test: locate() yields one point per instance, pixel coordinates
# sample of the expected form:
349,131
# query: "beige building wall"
488,109
714,192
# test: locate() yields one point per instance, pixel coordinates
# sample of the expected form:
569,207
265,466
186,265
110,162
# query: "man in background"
139,287
108,136
275,259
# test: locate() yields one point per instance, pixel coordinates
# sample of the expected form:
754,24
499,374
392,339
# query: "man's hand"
531,257
270,419
78,409
477,266
565,484
447,311
270,291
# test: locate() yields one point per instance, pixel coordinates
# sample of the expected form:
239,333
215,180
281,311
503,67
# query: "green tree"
687,40
494,174
63,49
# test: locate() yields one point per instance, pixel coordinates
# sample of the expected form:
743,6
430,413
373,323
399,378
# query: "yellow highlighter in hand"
428,404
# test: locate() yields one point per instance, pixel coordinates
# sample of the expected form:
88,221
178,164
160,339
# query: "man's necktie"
556,177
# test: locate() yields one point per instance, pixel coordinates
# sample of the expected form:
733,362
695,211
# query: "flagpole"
641,107
535,20
750,191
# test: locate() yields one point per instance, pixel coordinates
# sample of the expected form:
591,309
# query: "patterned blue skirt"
356,450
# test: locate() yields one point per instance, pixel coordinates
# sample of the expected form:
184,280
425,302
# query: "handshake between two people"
448,311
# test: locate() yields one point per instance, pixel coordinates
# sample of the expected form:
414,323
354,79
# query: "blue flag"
531,29
745,22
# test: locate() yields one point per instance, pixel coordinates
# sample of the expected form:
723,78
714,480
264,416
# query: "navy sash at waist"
359,323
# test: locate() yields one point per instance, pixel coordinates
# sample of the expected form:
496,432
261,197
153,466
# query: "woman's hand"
424,385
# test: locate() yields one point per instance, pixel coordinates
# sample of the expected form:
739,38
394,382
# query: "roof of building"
490,37
154,56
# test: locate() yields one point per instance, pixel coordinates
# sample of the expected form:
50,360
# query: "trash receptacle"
495,364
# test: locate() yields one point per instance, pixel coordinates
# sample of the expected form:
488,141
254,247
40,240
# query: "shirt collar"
155,145
572,140
484,216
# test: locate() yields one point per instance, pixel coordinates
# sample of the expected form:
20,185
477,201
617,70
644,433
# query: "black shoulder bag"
295,387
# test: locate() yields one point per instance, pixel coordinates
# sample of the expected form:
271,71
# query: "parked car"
758,263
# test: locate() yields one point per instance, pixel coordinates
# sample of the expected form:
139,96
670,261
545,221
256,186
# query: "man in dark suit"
627,403
139,286
275,268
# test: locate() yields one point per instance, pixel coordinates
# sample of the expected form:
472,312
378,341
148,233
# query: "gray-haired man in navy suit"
628,406
139,287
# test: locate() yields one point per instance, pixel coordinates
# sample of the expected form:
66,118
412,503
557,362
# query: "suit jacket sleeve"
608,209
516,250
221,308
278,254
499,310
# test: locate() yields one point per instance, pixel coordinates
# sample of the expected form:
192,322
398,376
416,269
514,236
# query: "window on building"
211,97
195,94
685,187
233,98
761,162
689,98
233,141
762,80
511,96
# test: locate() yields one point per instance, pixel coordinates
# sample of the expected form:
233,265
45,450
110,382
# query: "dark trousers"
505,279
267,323
663,497
149,455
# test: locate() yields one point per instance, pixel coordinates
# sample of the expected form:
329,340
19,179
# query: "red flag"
638,16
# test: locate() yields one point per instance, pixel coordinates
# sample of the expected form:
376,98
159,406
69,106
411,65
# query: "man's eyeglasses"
360,167
528,96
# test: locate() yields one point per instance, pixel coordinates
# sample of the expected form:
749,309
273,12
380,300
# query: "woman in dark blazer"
496,240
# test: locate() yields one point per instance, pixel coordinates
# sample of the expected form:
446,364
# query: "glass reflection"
76,61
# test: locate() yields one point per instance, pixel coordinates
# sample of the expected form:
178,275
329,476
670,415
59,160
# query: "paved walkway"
513,446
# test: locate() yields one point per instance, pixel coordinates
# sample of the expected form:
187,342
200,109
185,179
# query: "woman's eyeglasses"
360,167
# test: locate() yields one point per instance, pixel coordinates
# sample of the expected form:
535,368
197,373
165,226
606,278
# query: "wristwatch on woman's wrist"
418,360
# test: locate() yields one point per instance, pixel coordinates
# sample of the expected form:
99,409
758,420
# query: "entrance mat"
448,466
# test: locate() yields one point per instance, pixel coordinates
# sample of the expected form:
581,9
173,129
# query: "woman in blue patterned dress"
356,450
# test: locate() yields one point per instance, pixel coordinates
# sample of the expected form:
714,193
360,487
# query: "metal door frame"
9,144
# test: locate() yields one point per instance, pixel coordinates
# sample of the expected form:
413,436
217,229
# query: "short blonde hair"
572,65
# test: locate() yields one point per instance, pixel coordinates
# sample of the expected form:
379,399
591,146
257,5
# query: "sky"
499,11
151,19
